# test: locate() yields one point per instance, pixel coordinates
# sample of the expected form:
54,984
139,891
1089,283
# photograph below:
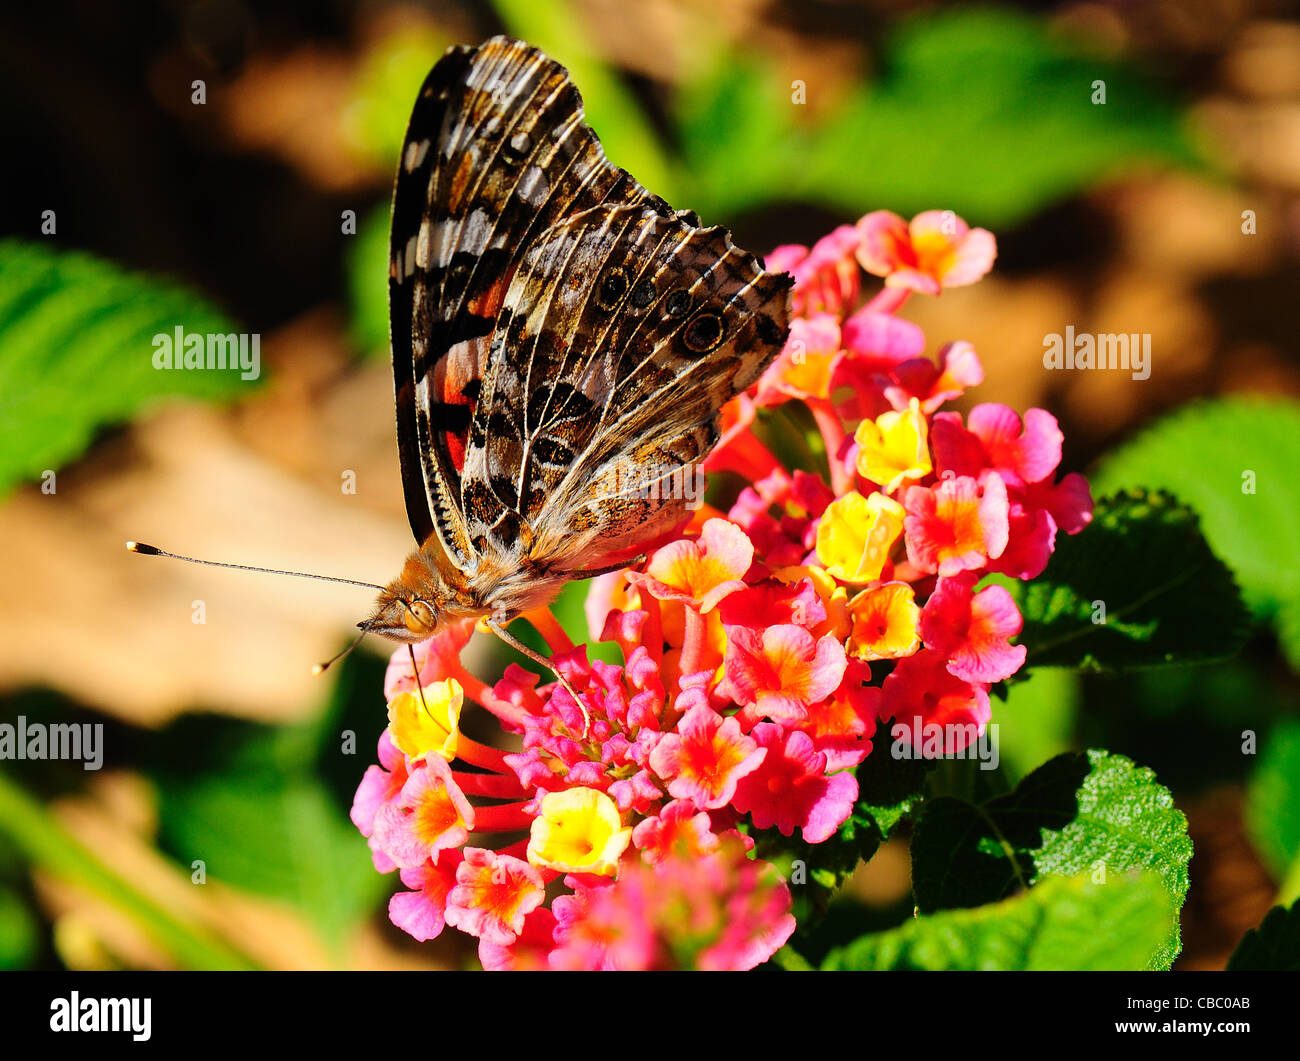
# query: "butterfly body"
563,341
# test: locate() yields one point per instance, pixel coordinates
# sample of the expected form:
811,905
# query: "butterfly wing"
496,152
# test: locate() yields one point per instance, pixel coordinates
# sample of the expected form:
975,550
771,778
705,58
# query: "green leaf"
1095,813
367,269
261,820
1273,947
995,89
964,854
1167,598
385,90
1272,809
76,353
1060,924
1210,454
1126,821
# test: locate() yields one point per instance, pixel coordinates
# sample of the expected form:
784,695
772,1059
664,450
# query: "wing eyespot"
613,286
677,304
643,294
704,332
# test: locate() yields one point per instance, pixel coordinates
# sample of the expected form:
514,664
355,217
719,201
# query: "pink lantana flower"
657,917
937,249
705,757
421,913
879,342
791,788
957,525
1025,455
779,671
607,928
995,437
932,384
699,573
841,725
973,630
805,365
826,278
773,604
429,814
380,785
1068,502
531,950
494,893
679,828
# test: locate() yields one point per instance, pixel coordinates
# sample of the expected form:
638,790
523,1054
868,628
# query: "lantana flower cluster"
761,646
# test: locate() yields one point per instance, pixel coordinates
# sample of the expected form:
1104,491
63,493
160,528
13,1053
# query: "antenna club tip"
319,669
140,547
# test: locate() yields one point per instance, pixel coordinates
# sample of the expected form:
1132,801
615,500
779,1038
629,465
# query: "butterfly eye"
703,333
419,617
613,287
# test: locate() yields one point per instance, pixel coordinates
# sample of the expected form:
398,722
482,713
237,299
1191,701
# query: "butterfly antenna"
153,550
321,668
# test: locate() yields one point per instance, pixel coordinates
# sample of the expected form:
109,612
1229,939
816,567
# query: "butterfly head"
404,615
413,605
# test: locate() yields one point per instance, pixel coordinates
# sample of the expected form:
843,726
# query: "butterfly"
562,342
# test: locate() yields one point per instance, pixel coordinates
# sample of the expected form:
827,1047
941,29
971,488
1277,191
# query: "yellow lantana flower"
428,723
894,447
579,830
856,533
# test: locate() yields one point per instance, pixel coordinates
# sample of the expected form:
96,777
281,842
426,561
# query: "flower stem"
471,751
505,818
483,695
828,423
692,643
888,300
545,623
493,786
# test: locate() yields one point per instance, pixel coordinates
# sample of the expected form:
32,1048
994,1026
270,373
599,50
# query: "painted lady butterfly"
563,341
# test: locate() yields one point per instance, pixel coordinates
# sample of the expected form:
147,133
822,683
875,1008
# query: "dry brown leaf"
116,631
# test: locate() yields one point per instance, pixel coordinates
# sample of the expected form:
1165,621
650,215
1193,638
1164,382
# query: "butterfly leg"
514,642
